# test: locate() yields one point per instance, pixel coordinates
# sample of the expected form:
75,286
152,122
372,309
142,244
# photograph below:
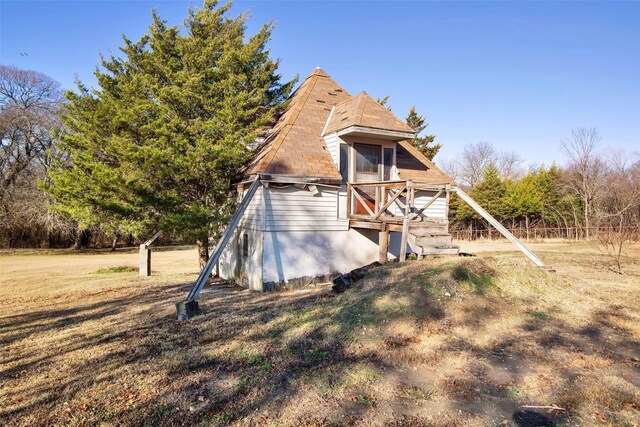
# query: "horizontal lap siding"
295,209
437,209
252,218
332,146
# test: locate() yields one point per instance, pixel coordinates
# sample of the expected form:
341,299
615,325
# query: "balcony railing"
389,201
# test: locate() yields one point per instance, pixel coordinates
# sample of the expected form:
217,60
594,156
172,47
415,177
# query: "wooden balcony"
391,206
386,204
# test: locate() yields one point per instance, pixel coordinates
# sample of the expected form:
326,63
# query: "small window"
245,245
367,158
344,162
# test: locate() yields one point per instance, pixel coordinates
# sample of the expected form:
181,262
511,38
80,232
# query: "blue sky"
519,75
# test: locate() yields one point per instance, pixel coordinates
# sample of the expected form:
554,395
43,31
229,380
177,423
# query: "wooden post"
377,200
405,226
446,207
145,255
145,260
405,238
383,245
348,201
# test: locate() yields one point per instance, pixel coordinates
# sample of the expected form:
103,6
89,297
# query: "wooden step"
434,250
418,230
435,240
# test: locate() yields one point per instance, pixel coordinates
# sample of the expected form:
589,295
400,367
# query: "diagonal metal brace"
189,307
486,215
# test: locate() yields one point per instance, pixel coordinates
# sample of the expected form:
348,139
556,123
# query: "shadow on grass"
126,360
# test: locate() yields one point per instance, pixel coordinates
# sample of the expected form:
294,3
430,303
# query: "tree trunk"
587,220
82,239
203,252
114,242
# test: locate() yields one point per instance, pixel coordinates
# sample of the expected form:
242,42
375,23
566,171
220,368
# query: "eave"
390,135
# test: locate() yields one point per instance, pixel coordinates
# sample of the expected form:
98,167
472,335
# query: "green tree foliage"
490,193
523,199
383,102
160,142
424,144
536,199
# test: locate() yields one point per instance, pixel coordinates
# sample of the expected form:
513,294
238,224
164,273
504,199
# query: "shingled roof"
295,146
412,165
362,110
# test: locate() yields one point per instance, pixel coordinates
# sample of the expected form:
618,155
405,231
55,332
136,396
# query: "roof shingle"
295,145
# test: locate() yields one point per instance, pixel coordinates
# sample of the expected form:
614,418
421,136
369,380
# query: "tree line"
594,195
159,141
155,146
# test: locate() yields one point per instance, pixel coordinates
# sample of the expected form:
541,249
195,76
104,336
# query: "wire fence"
535,233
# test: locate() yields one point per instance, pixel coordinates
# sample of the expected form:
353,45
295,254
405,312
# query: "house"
340,187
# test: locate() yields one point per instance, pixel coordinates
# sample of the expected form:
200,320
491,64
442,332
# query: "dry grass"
450,341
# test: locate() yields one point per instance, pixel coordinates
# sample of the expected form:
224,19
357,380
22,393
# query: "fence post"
145,260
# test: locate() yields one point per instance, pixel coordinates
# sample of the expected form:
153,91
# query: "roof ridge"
291,122
362,103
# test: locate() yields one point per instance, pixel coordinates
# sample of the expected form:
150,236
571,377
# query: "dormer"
362,136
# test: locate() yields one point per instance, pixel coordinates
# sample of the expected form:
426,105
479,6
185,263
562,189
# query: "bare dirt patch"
447,341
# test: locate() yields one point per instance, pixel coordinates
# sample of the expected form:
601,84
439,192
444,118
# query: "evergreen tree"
489,193
424,144
161,140
559,208
523,200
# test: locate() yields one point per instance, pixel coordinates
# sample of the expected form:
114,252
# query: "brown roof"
295,145
414,166
362,110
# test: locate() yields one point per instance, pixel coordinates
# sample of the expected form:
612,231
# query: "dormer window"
368,162
373,162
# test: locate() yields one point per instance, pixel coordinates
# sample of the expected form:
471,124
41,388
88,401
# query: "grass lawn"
486,340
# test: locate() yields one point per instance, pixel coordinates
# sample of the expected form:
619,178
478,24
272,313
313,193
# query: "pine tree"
424,144
159,143
523,201
489,193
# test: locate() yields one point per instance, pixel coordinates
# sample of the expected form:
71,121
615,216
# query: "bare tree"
469,166
618,210
29,102
509,164
585,169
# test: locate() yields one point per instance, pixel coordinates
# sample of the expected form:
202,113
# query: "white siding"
332,142
252,218
437,209
342,202
296,209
